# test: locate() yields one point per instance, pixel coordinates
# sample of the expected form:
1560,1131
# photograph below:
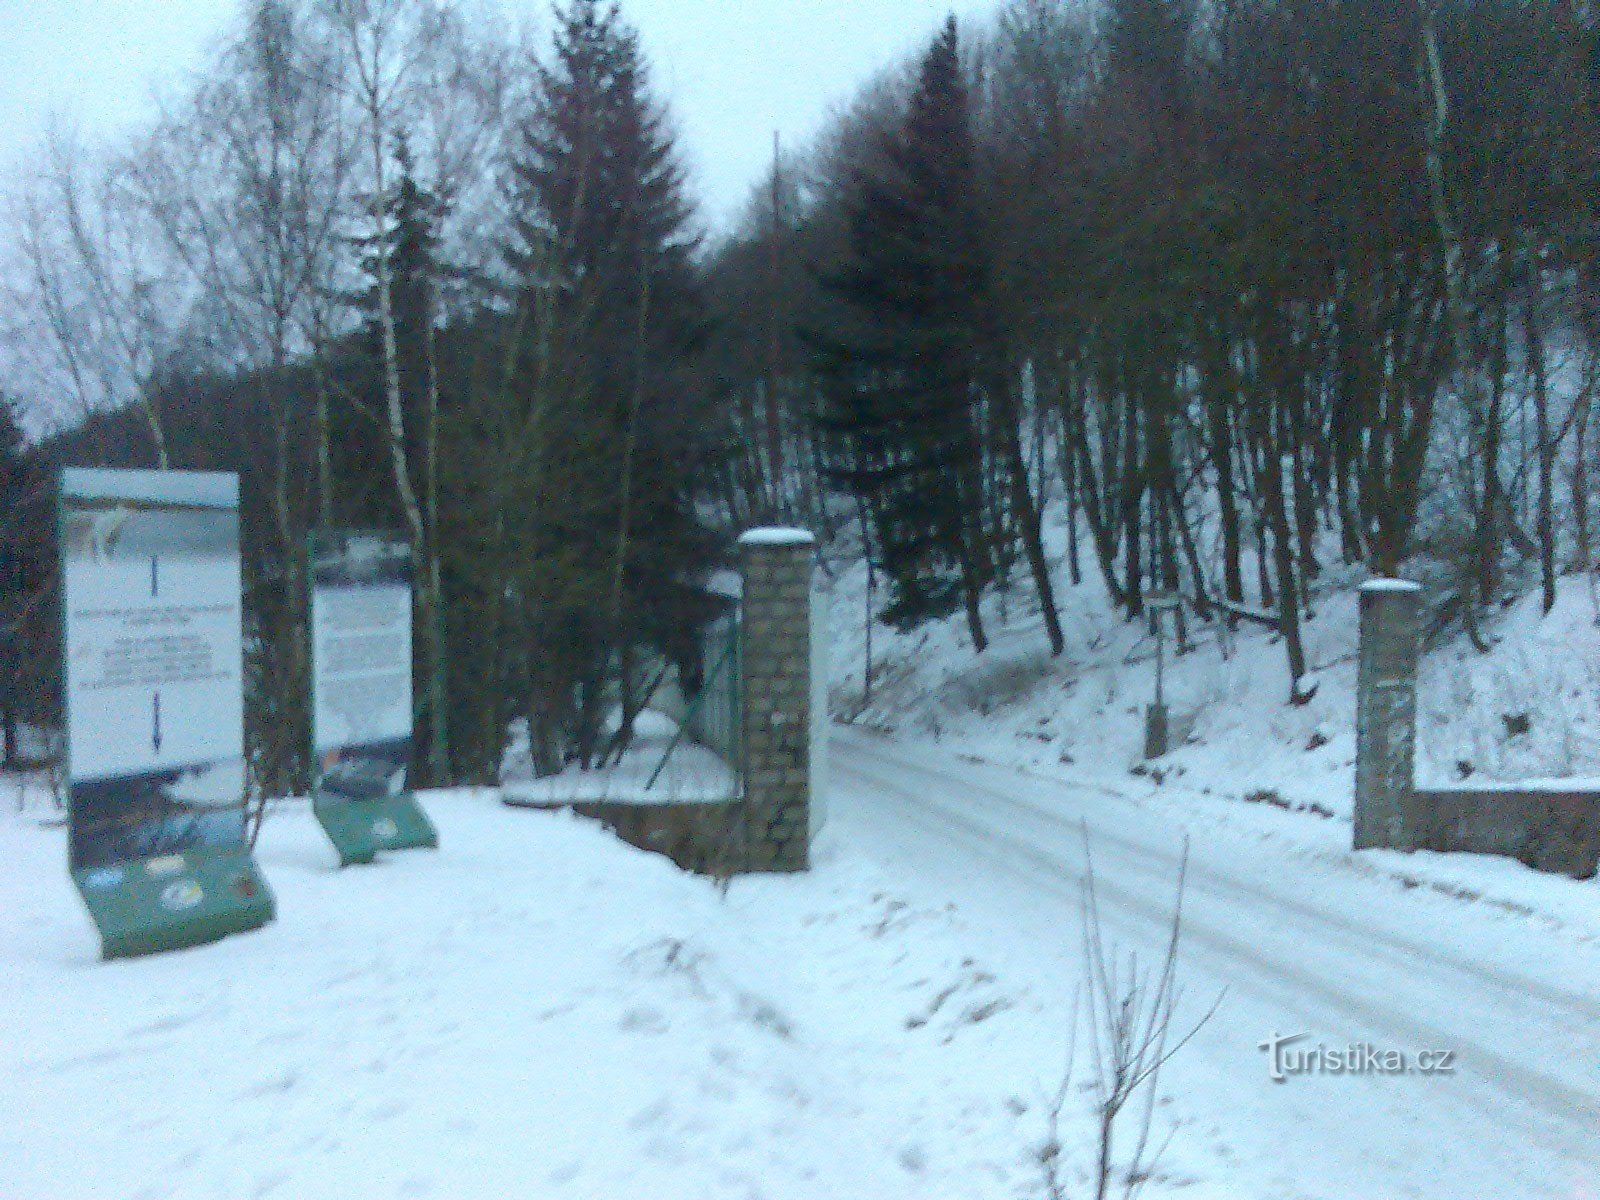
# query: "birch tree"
408,74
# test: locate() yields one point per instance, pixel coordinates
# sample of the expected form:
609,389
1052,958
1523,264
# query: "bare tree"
249,181
407,70
1129,1013
100,284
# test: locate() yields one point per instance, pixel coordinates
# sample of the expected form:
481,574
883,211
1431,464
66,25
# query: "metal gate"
713,709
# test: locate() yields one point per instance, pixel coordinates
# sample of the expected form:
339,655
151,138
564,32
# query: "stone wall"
698,835
776,667
1554,831
1551,830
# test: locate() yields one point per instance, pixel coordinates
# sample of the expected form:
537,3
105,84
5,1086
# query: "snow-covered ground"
534,1010
659,767
537,1010
1298,945
1243,757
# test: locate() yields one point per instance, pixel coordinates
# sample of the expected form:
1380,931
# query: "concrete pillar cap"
777,535
1390,585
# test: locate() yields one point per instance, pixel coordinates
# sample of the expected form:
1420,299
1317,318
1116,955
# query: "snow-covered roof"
727,583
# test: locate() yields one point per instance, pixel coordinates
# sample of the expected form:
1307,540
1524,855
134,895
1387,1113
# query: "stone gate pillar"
1386,716
776,665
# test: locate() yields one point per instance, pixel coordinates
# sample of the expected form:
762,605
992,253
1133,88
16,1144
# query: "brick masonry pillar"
776,665
1386,717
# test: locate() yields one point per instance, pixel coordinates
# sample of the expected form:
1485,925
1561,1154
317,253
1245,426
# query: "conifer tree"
22,549
405,249
409,244
905,365
603,244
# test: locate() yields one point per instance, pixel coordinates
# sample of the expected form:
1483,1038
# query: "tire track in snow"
1567,1118
1152,860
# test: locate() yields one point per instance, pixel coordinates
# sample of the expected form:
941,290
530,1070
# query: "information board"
153,677
361,693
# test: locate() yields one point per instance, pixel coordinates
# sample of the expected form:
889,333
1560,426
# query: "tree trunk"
1580,483
872,587
1132,487
1094,491
428,598
970,592
1303,486
1545,444
1284,567
1492,502
1069,487
1220,445
1028,517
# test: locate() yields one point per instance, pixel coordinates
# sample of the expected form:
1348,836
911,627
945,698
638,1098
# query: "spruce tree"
22,550
407,250
1148,40
409,244
604,257
904,366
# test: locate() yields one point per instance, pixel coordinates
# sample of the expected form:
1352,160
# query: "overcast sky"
734,71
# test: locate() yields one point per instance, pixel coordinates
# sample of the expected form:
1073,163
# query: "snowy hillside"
1233,732
1242,754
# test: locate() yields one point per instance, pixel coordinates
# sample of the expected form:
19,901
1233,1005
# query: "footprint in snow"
274,1086
643,1020
912,1159
651,1114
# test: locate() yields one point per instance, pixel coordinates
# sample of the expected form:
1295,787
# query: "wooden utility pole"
775,280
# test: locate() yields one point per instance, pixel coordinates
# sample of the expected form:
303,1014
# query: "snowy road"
1308,946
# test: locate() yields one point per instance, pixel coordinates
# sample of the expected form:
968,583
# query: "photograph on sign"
154,693
361,653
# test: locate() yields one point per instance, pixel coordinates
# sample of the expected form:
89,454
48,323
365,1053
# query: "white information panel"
151,595
361,694
363,655
361,643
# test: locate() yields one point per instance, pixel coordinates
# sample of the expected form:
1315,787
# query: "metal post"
1161,648
1155,716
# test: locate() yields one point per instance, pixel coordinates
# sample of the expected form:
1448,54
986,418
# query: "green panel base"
348,824
147,905
358,829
